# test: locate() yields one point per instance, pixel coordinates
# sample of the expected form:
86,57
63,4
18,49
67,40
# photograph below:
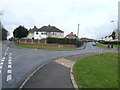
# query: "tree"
4,34
20,32
113,35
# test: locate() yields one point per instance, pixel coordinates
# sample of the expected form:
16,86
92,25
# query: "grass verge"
99,71
44,47
102,46
117,46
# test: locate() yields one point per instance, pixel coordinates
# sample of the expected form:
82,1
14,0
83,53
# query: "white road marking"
9,77
9,63
9,71
9,60
0,67
2,60
6,51
10,54
10,57
0,71
9,66
1,63
5,54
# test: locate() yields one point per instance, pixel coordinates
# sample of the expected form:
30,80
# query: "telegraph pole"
78,30
77,34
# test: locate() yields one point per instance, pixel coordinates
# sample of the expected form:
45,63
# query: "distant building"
87,39
110,36
44,32
71,35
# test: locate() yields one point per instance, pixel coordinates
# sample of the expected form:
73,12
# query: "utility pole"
78,30
77,34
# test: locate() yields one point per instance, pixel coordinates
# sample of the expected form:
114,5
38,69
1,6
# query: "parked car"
11,39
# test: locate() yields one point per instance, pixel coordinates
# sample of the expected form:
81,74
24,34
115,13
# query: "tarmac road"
19,62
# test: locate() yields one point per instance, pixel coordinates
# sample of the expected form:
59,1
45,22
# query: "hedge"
109,42
64,41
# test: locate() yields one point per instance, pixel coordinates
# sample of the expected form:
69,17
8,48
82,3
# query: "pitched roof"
50,29
71,35
33,30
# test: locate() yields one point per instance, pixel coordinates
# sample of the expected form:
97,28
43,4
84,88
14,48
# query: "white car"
94,44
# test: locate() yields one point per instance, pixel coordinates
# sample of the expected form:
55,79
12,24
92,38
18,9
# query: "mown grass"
44,47
117,46
102,46
99,71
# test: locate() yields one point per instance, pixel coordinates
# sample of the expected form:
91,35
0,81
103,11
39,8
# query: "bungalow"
44,32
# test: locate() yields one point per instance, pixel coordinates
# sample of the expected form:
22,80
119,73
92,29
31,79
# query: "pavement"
55,74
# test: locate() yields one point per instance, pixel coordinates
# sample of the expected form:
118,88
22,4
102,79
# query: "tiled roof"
46,29
50,29
33,30
71,35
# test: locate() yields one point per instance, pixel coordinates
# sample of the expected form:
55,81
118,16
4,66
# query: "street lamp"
114,21
117,30
116,27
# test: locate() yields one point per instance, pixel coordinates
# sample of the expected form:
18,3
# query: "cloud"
93,16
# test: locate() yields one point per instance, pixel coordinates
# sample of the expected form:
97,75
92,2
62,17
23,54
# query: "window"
43,33
37,33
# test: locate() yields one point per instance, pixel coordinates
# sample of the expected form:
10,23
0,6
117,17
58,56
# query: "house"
44,32
31,32
113,36
71,35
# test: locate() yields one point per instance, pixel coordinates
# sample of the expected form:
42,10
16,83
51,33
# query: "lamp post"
116,24
117,30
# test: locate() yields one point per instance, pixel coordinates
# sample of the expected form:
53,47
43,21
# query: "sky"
94,16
